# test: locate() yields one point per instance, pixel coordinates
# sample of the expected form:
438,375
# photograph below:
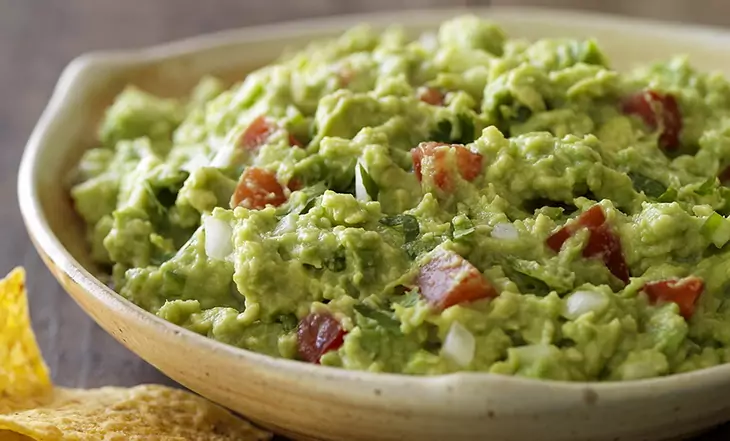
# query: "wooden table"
39,37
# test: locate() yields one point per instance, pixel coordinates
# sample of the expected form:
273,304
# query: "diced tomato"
449,279
256,134
724,176
603,243
658,111
294,184
318,334
434,156
417,155
557,239
591,218
429,151
294,142
469,163
431,95
258,188
684,292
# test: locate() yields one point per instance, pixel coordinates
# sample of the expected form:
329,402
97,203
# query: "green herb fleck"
161,210
650,187
668,196
532,277
409,299
383,319
409,223
368,182
442,133
707,187
418,247
461,227
467,130
288,322
338,262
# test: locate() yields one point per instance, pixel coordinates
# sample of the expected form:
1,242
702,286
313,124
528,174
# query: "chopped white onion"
429,41
223,156
505,230
286,225
218,238
389,65
195,162
361,193
582,302
459,345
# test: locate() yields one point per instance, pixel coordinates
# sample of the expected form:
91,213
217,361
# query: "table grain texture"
39,37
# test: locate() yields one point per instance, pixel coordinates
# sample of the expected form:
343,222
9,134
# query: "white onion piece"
582,302
287,225
429,41
505,230
218,238
223,157
389,65
195,162
361,193
459,345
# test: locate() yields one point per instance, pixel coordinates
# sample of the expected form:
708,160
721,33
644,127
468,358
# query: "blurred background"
39,37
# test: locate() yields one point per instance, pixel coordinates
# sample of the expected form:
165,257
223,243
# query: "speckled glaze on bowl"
313,402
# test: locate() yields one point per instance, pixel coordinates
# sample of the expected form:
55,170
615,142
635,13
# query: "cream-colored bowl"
310,401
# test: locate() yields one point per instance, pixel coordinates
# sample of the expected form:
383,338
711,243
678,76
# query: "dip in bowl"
388,203
461,201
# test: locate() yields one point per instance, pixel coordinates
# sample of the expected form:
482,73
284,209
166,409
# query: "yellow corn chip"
23,373
141,413
32,410
6,435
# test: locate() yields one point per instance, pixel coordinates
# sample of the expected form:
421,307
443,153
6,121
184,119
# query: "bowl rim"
46,241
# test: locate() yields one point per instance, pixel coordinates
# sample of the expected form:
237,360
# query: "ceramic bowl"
313,402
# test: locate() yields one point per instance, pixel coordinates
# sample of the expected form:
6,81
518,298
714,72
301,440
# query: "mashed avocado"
457,202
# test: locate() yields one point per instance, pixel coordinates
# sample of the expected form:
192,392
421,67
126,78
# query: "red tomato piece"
294,142
724,175
449,279
591,218
434,155
558,238
417,155
256,134
603,243
684,292
294,184
658,111
258,188
431,95
318,334
469,163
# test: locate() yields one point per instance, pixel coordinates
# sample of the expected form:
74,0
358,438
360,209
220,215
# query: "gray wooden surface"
38,37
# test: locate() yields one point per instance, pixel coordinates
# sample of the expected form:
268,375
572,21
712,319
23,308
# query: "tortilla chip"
6,435
141,413
23,373
32,410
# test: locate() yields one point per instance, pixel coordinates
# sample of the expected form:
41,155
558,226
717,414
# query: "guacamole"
460,201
